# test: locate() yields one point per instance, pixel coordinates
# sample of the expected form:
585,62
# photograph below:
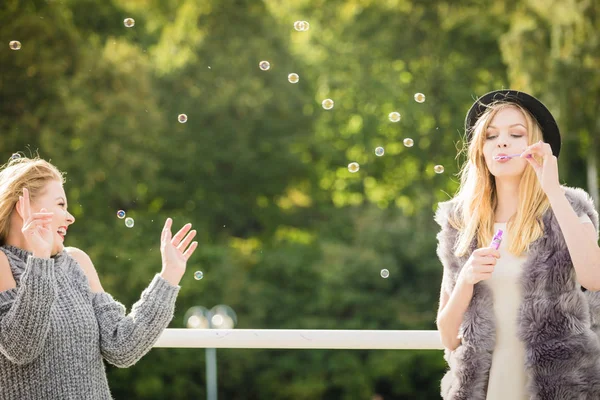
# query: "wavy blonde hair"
18,173
477,197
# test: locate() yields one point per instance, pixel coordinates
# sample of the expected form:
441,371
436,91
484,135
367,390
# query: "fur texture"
558,322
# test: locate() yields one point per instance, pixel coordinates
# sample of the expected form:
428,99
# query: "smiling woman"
57,324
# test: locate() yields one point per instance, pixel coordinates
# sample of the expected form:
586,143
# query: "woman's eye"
517,136
490,137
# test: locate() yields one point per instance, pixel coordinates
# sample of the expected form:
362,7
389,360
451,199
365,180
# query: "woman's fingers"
185,242
188,253
165,236
179,235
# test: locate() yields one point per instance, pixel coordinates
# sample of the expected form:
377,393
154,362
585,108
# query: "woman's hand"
37,228
547,171
479,266
176,251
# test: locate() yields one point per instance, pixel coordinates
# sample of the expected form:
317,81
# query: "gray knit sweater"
55,333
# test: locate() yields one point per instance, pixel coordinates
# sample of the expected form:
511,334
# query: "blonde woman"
57,324
515,321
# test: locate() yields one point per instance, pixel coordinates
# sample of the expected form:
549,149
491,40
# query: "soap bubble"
301,26
264,65
121,214
353,167
379,151
129,22
439,169
198,275
15,45
129,222
385,273
293,78
15,156
408,142
182,118
419,97
327,104
394,116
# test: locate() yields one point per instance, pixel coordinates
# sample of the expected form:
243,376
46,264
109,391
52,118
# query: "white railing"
300,339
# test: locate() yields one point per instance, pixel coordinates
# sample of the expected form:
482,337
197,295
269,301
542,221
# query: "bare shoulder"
7,281
87,266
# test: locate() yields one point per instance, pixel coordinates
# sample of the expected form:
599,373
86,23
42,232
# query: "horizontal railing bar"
300,339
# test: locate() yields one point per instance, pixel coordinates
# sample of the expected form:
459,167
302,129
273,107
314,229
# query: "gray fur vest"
558,323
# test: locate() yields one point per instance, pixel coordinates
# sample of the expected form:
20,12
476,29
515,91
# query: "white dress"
508,378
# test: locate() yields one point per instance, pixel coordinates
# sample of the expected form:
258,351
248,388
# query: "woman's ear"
19,207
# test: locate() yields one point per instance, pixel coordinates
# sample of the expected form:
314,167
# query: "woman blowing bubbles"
56,322
514,321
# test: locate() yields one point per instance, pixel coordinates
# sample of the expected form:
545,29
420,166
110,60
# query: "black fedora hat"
543,116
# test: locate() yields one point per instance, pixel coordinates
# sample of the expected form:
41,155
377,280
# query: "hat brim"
539,111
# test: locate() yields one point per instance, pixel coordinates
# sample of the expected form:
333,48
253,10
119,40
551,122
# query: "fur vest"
558,322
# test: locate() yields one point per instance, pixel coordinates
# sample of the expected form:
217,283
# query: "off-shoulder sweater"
55,332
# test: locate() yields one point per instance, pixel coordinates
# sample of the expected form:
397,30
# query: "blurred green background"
289,238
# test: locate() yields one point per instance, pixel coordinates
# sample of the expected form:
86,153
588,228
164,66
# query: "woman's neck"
507,194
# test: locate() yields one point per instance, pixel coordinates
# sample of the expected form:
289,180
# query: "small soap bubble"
198,275
379,151
353,167
15,156
419,97
264,65
394,116
327,104
15,45
182,118
385,273
129,22
408,142
439,169
129,222
121,214
301,26
293,78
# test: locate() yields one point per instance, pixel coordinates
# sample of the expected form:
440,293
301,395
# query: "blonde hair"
477,197
16,174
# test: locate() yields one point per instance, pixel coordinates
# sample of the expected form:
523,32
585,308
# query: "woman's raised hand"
37,227
175,251
479,266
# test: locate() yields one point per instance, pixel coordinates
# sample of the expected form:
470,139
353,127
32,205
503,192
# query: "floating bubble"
121,214
198,275
293,78
439,169
15,45
394,116
301,26
379,151
264,65
408,142
327,104
129,222
419,97
385,273
129,22
353,167
15,156
182,118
